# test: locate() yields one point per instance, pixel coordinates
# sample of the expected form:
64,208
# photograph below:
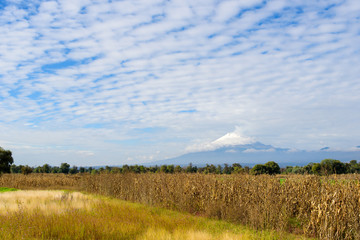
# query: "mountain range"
234,148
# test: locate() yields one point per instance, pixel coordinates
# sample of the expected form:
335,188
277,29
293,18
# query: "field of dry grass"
48,202
322,207
72,215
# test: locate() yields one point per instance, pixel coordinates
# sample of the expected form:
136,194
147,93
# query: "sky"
95,82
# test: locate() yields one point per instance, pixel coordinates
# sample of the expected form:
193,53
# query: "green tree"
142,169
353,162
46,168
288,169
272,168
74,170
332,166
107,169
154,169
227,169
170,168
298,170
26,170
191,169
65,168
55,170
6,160
113,170
15,169
134,168
178,169
353,167
308,168
125,168
209,169
237,168
316,168
163,169
259,169
218,169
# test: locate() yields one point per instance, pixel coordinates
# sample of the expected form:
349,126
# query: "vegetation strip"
72,215
325,167
322,207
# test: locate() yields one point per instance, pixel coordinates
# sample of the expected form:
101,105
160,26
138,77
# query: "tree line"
325,167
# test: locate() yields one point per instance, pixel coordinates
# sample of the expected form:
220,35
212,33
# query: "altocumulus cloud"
83,81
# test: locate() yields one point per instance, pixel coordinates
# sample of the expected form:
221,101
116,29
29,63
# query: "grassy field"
323,207
46,214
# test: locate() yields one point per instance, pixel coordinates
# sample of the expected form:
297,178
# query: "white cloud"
231,151
85,153
252,150
284,71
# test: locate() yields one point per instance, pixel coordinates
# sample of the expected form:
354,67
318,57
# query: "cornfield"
322,207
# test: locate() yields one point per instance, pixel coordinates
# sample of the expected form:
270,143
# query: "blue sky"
95,82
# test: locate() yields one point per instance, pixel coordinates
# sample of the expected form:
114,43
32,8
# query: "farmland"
49,214
321,207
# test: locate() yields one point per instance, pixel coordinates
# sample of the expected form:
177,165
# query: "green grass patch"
5,189
282,181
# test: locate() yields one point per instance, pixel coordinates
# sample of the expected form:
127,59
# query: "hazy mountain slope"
251,154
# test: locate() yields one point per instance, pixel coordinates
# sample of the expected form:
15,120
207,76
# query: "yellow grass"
48,202
324,207
73,215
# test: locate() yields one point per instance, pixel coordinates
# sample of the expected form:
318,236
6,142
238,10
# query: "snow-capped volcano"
234,147
230,139
234,138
